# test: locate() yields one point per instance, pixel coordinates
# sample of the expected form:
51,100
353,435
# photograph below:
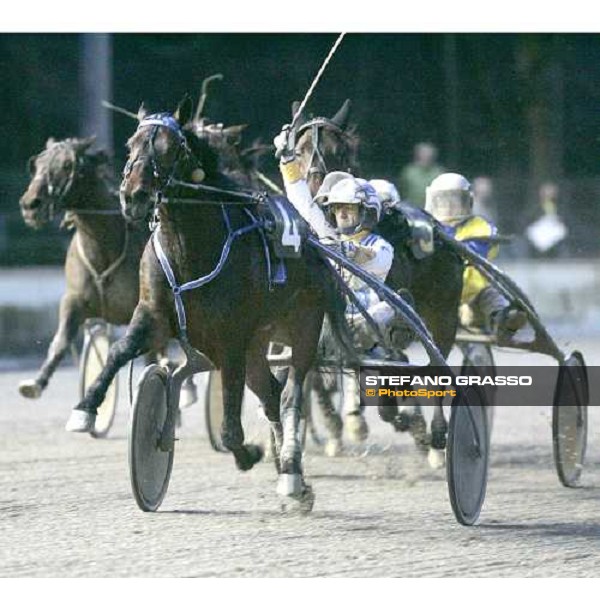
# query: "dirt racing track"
66,506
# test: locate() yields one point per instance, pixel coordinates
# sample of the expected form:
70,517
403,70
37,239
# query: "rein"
238,198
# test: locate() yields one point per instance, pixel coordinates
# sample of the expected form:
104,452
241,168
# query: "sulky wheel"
96,345
149,466
468,452
569,419
478,359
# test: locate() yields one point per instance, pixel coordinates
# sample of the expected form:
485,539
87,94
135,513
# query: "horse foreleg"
71,316
291,487
138,340
233,371
267,388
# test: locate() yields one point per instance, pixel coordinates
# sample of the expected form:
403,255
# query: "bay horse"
102,261
434,282
233,317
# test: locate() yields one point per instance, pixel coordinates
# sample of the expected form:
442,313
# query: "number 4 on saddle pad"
285,227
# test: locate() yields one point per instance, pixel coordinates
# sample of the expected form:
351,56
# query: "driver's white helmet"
387,192
356,191
328,182
449,198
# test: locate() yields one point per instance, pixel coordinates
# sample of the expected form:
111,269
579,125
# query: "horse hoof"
436,458
30,389
187,397
418,430
402,422
296,496
249,457
255,452
333,447
357,428
81,421
438,439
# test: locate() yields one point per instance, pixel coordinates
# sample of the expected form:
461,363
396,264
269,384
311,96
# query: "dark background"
520,108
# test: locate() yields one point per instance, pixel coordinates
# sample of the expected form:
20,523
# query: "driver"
450,200
345,210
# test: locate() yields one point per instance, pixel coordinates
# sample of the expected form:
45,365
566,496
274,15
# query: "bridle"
58,193
315,125
162,180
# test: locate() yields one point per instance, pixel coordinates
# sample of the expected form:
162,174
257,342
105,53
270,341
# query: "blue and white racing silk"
378,265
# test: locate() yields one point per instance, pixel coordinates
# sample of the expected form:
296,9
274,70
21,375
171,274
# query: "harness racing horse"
230,309
433,282
102,261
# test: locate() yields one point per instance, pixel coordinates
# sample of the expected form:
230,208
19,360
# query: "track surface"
66,507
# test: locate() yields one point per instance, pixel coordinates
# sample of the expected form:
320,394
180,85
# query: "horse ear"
50,142
341,117
234,133
142,112
84,143
183,113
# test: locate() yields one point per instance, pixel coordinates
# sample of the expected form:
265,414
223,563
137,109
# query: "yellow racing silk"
475,227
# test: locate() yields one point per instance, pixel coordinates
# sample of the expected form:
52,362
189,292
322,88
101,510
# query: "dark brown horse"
433,282
102,262
232,318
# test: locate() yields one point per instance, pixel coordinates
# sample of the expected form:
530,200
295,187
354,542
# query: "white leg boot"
355,423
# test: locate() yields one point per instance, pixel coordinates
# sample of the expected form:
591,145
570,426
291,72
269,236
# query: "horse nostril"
35,203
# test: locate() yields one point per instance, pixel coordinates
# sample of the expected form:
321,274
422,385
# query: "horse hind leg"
137,340
267,388
70,319
439,428
323,385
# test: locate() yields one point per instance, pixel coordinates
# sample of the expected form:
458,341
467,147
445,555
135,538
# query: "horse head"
163,148
55,173
324,145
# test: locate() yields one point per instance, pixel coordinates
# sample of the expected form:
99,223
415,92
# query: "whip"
316,79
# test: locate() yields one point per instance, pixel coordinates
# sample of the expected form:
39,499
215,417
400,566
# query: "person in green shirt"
416,176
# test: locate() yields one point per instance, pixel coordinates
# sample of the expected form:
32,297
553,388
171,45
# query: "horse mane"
224,147
209,150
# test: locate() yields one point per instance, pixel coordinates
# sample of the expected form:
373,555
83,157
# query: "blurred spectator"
547,233
484,202
417,175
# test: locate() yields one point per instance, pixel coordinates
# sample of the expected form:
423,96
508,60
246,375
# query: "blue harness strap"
163,120
232,235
